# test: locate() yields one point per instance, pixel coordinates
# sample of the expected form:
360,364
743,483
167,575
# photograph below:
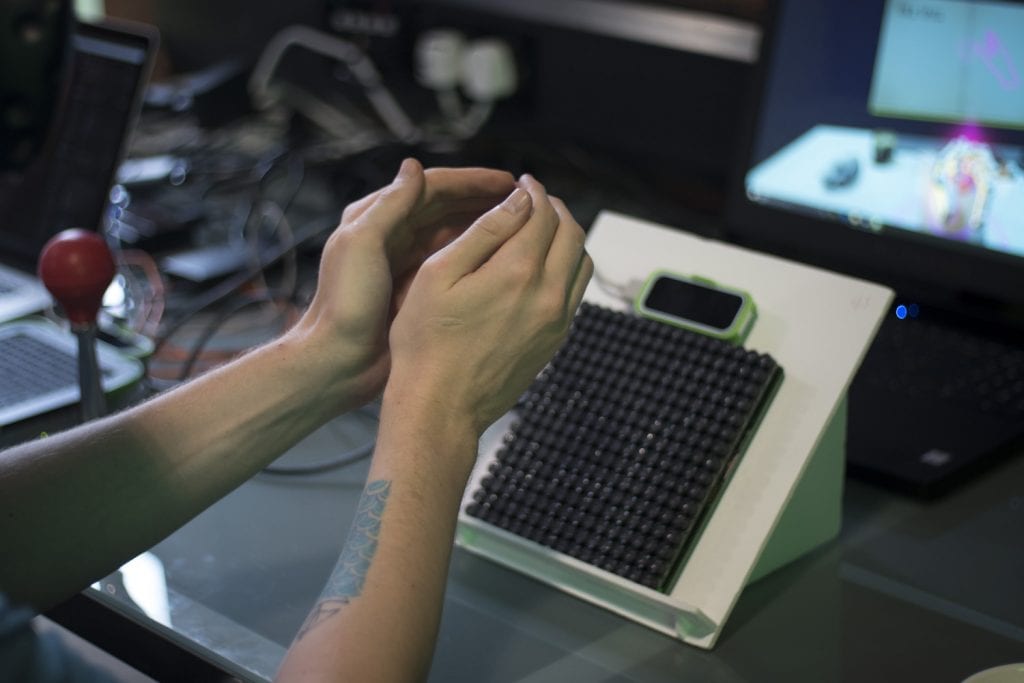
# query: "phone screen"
692,301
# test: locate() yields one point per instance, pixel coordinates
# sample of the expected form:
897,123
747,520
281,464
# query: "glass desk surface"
910,591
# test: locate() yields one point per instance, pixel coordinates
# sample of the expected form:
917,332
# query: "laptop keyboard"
924,360
8,284
39,370
31,368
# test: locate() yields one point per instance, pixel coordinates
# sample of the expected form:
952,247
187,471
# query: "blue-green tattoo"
346,581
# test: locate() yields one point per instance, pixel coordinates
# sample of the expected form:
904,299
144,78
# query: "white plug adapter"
488,70
438,55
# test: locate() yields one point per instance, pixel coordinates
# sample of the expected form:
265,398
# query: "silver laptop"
39,366
20,294
39,359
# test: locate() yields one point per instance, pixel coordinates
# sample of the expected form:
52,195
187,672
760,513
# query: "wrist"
413,420
339,377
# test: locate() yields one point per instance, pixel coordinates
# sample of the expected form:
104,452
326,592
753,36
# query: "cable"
232,284
286,249
344,460
291,264
259,207
627,292
485,69
464,123
385,104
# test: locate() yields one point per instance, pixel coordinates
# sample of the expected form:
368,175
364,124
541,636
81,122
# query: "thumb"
486,235
393,204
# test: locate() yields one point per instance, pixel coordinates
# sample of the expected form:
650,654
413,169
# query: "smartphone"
697,304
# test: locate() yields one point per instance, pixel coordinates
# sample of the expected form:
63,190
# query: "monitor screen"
887,139
68,184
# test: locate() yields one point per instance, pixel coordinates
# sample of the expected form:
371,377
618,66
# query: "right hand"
484,314
369,260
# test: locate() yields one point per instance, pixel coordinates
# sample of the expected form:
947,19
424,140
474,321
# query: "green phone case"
735,333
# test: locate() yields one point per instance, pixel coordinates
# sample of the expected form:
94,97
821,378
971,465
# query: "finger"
447,190
393,204
534,240
451,194
356,208
452,211
446,185
581,278
443,235
567,244
483,238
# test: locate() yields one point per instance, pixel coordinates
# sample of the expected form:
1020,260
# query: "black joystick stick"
77,267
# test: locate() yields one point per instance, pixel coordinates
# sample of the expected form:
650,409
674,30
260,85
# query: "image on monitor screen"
898,116
950,60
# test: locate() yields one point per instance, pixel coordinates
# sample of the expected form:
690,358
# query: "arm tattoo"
349,573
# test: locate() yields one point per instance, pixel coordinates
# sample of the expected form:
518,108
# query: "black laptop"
886,140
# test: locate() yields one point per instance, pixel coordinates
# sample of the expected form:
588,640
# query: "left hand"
367,262
487,312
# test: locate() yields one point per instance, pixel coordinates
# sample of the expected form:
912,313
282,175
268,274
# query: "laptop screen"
887,139
69,184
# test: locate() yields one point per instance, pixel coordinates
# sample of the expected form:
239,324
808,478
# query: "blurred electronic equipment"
655,86
67,185
888,143
68,182
196,34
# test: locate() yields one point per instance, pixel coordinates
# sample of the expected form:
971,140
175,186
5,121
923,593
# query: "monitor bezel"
972,281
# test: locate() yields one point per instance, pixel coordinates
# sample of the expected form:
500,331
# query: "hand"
485,313
380,243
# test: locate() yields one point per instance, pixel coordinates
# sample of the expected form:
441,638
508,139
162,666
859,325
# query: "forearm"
478,322
76,505
378,616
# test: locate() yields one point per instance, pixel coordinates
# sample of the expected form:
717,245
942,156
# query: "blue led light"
913,310
901,312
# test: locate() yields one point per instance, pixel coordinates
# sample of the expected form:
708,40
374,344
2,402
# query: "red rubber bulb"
76,266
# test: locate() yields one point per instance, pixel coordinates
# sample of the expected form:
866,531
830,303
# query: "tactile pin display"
623,443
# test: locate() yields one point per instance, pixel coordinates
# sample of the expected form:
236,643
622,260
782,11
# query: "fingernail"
517,201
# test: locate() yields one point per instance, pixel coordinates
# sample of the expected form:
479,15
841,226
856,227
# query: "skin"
447,291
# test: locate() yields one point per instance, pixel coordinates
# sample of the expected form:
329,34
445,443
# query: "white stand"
785,494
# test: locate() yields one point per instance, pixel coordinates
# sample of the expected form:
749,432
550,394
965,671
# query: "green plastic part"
736,332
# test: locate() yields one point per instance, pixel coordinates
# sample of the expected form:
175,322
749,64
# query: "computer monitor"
886,139
68,184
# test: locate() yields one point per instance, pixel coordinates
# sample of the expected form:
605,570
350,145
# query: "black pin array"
623,443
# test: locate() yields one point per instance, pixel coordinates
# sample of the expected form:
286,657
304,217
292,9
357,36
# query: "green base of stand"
813,514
